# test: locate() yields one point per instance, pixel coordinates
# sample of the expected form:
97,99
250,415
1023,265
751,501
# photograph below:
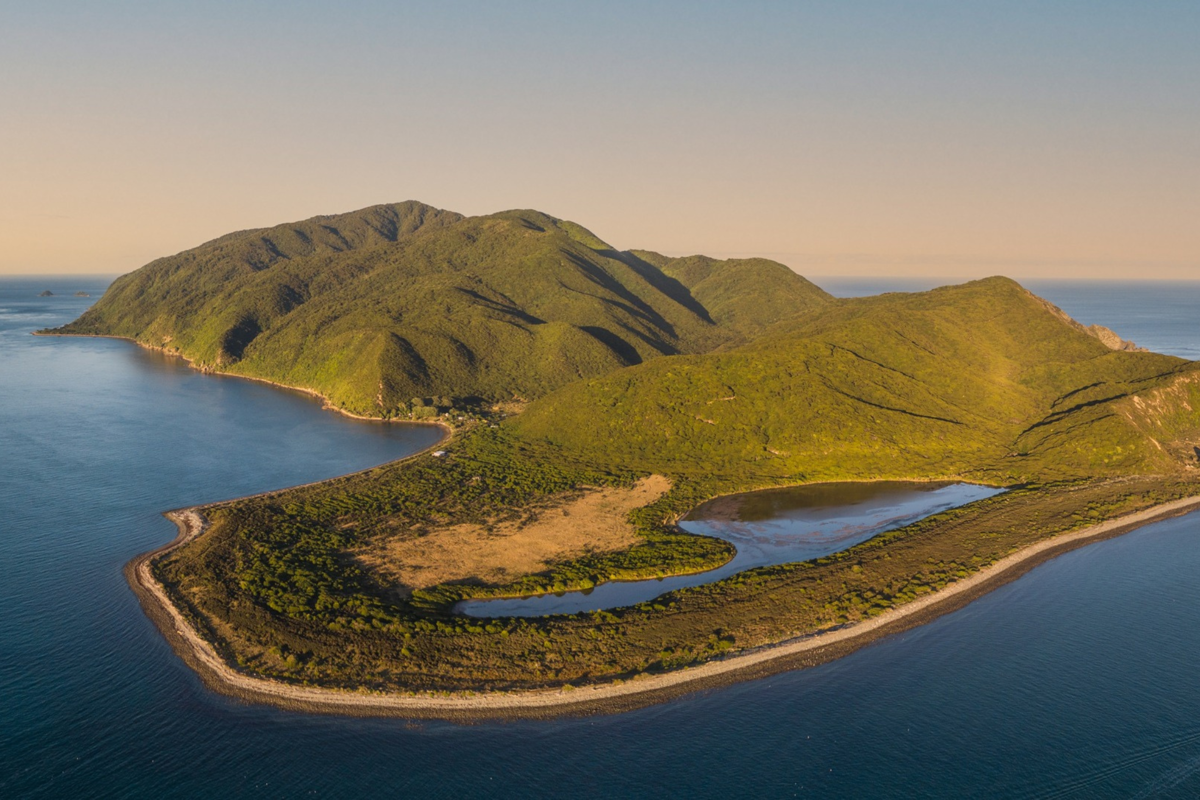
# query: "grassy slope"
982,379
391,303
740,293
970,379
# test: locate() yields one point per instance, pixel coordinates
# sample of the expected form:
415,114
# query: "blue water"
1078,680
1162,316
776,526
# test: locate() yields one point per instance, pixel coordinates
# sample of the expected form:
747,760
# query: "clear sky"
956,139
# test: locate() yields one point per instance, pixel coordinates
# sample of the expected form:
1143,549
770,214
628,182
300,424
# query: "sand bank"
609,697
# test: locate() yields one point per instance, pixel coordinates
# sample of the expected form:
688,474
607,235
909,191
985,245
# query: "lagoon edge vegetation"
565,365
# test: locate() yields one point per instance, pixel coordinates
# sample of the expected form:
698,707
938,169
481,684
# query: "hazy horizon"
934,140
917,281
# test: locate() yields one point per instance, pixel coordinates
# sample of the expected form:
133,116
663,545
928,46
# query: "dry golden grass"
594,521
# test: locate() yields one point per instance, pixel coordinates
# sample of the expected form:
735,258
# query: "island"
46,293
591,399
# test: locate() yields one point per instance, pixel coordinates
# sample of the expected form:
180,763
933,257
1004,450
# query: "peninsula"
594,396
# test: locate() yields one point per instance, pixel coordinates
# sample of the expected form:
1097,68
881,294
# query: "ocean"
1077,680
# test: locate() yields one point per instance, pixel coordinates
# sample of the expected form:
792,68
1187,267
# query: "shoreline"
326,403
612,697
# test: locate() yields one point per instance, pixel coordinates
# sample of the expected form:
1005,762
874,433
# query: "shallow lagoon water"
1078,680
774,526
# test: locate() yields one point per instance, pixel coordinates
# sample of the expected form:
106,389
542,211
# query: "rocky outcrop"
1112,340
1106,335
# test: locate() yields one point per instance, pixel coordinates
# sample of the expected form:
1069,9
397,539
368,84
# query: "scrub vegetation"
719,376
983,380
402,310
365,641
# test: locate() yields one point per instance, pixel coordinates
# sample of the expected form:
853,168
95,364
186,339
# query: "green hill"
379,307
742,294
983,378
982,381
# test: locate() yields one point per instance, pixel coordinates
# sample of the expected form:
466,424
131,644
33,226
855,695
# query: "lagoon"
769,527
1077,680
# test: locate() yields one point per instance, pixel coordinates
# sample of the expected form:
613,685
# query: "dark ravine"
387,307
326,403
982,381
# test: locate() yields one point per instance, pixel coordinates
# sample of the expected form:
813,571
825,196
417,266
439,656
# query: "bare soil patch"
644,689
593,521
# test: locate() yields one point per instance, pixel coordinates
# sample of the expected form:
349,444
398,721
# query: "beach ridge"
646,689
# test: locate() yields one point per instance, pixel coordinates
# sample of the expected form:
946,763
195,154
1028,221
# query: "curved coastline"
326,403
643,690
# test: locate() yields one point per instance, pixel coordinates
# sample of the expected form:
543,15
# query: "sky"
947,139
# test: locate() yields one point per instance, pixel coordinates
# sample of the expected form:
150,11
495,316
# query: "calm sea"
1079,680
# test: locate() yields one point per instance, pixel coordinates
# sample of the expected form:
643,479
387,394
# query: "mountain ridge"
395,309
981,378
718,377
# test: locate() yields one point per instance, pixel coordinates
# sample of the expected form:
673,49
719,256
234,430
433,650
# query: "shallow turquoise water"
1078,680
